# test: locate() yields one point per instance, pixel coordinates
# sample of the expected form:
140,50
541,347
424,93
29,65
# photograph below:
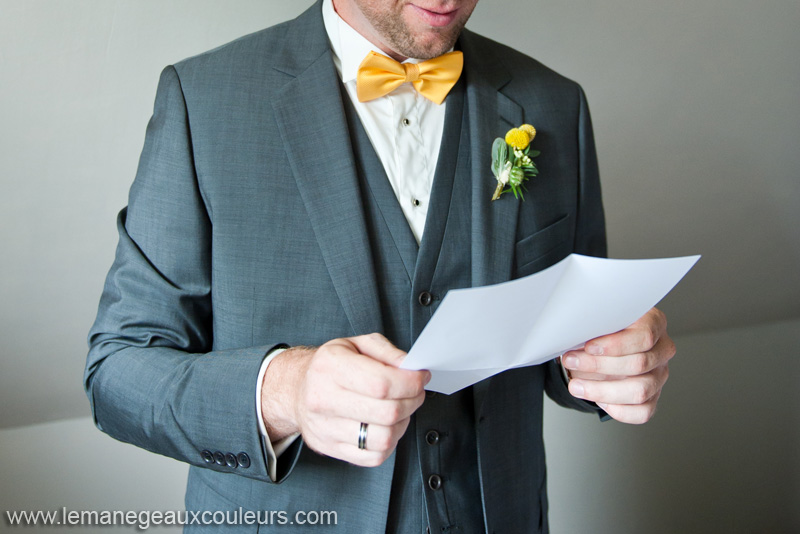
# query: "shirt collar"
348,46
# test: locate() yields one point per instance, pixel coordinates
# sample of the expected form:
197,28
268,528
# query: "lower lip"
437,20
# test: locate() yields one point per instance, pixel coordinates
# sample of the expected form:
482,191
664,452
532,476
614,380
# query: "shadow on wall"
71,464
721,455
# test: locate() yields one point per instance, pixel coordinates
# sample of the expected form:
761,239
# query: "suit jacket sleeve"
152,376
590,240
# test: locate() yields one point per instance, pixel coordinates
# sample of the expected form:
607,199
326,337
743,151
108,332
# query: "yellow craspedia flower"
530,130
518,138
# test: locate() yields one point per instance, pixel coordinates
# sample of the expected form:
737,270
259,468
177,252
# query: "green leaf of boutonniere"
512,161
499,156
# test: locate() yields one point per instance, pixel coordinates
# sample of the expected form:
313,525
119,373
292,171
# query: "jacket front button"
425,298
434,482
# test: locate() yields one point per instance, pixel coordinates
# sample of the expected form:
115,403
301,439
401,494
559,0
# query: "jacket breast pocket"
544,247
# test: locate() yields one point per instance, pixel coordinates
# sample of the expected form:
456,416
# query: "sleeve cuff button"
244,460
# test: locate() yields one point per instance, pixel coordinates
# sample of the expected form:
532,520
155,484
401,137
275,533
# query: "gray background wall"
695,106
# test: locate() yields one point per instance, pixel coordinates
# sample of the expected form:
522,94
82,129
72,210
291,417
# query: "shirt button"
434,482
415,202
406,122
432,437
425,298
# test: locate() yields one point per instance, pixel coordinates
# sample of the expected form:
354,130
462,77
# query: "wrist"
279,391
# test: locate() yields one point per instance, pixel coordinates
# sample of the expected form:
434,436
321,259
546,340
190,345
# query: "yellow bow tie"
379,75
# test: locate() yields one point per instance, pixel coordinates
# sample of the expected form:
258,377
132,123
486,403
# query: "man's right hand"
325,393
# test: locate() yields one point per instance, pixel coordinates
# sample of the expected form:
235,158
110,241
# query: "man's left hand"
624,372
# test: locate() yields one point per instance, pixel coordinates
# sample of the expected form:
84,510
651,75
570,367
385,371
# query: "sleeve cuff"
564,372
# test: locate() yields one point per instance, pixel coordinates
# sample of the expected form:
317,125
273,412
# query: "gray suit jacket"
245,230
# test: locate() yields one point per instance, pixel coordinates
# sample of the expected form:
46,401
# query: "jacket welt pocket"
544,247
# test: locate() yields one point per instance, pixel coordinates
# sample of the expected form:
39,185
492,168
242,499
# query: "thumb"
378,348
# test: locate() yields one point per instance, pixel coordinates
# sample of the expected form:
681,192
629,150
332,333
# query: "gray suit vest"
436,481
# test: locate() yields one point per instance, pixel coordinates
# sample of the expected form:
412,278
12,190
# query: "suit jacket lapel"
491,114
312,123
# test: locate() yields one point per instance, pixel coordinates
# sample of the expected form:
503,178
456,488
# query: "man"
277,206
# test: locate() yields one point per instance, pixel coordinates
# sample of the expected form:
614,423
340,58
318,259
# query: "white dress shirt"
405,130
404,127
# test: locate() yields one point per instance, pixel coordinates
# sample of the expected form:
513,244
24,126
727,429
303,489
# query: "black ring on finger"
362,436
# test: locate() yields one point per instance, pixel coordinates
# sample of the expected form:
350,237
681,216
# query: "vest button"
432,437
425,298
434,482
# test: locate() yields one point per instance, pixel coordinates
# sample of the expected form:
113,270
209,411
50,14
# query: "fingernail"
571,362
576,388
595,350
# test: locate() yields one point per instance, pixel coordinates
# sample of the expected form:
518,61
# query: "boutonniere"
512,160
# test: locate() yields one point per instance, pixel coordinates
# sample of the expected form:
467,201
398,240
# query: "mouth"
436,17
